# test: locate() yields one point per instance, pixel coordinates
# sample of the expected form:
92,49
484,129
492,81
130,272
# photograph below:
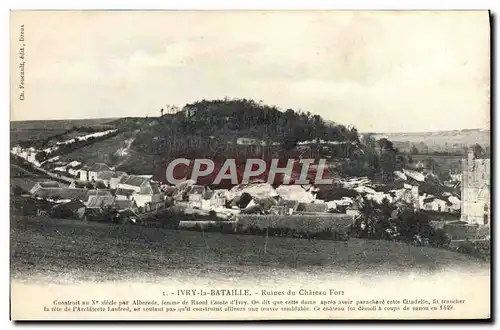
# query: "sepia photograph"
250,165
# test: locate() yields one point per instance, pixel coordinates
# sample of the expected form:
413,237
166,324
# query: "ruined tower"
476,201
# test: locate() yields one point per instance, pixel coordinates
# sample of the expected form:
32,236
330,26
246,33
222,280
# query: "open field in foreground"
75,250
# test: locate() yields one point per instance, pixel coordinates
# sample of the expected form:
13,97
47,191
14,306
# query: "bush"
439,238
478,249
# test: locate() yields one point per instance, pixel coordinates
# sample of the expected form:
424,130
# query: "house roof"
99,201
133,180
127,213
79,184
73,205
99,192
155,187
197,189
105,175
76,167
124,192
74,164
62,193
312,207
123,204
49,184
276,209
99,167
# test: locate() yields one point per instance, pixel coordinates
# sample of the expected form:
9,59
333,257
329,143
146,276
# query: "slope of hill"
439,141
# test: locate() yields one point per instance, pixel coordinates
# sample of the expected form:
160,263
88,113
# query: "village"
94,191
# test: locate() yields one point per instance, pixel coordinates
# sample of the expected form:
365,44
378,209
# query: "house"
437,205
289,206
73,209
277,210
353,211
90,173
312,207
17,149
125,204
96,169
61,193
84,173
74,163
115,179
79,184
124,194
110,178
99,202
61,168
212,200
145,192
196,196
74,168
44,185
419,165
93,193
250,141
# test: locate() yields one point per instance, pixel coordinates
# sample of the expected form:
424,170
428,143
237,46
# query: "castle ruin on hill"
476,190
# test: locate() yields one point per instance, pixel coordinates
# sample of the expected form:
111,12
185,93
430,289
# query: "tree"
431,164
41,156
478,150
385,145
17,190
414,150
245,199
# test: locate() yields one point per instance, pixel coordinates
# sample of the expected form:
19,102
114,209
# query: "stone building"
476,187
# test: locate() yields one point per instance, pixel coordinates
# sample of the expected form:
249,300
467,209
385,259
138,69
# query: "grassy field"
451,141
100,151
40,129
43,247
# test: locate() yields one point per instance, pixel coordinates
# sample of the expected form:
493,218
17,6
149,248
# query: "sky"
378,71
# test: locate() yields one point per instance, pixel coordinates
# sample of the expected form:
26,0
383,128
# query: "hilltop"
213,124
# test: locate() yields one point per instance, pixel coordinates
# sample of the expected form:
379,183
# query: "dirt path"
124,151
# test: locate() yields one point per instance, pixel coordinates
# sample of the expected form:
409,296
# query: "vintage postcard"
250,165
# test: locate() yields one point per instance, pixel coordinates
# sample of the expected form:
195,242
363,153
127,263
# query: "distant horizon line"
359,131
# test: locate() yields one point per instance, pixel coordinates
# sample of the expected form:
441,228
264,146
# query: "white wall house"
144,191
212,200
196,196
